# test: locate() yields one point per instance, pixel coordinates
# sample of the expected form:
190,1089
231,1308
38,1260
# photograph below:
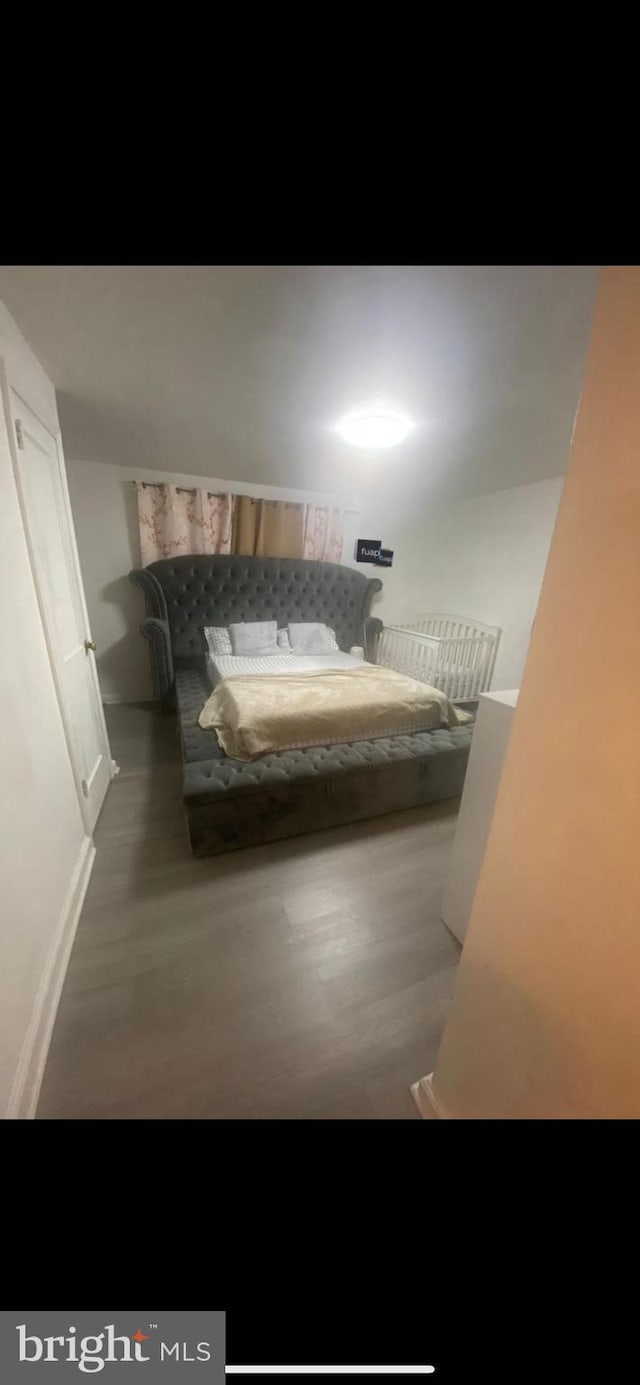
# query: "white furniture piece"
488,749
453,653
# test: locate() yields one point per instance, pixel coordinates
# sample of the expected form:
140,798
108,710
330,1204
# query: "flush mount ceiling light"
374,427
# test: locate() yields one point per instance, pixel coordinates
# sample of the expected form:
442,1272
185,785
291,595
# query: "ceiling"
241,372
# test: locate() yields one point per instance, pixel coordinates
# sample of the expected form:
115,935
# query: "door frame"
7,386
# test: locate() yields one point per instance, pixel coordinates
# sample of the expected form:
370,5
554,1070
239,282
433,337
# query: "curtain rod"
191,490
182,490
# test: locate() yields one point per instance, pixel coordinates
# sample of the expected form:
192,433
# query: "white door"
46,511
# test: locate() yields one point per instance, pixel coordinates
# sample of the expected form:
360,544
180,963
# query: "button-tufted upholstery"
192,690
190,592
232,804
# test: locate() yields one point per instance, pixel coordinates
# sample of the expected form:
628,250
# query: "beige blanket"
253,714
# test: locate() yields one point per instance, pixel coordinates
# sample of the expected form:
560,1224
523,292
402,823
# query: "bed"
232,803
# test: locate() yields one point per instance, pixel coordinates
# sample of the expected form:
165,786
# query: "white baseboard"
109,699
427,1102
28,1079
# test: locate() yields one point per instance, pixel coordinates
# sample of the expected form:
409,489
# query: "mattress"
260,714
221,666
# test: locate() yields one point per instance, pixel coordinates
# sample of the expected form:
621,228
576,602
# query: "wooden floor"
308,978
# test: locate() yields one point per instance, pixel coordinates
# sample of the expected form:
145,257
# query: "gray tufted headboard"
184,594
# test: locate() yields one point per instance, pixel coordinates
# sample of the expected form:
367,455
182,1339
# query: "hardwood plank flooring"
303,979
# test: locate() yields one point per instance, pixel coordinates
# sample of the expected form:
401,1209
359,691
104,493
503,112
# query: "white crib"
452,653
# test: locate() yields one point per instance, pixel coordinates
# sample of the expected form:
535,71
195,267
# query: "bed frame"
229,803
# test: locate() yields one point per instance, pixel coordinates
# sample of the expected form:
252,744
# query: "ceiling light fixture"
374,427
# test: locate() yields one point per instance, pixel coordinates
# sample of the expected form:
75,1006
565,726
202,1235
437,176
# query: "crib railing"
452,653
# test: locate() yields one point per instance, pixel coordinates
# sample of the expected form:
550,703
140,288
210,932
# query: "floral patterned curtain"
174,519
322,534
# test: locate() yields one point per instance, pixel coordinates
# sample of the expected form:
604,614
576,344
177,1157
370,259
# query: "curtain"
268,528
174,519
322,534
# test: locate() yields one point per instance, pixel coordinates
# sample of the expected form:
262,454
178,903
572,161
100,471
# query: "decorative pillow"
218,639
283,640
255,637
311,637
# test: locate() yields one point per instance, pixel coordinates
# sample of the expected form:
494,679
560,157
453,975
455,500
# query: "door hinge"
19,435
85,788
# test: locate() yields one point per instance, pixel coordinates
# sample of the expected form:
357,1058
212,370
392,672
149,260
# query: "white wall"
482,557
41,829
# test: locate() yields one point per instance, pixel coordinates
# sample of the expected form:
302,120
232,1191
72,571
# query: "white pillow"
310,637
257,638
218,639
